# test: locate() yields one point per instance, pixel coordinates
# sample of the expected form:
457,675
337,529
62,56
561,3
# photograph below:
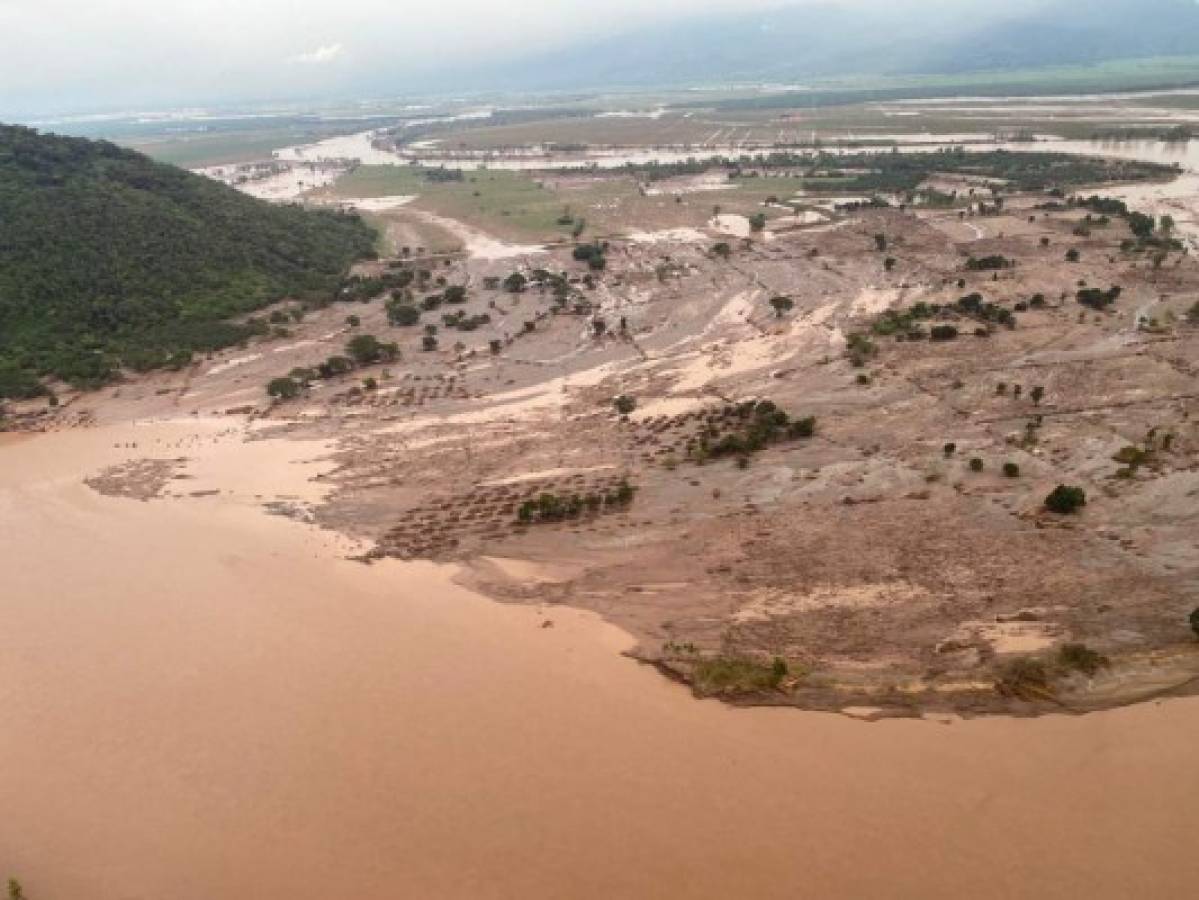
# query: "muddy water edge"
198,699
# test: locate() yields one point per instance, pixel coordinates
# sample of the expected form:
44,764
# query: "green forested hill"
109,259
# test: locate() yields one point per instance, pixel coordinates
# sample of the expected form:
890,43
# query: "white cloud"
320,56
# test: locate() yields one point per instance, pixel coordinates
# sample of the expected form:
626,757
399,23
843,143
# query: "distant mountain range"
905,37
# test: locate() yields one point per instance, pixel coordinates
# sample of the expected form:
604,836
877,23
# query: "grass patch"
1024,678
732,675
1081,658
510,204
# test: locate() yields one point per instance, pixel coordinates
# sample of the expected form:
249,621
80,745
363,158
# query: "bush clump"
1024,678
624,404
1066,499
737,675
1081,658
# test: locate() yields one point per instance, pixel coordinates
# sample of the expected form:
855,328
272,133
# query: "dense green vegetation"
738,675
111,260
1066,499
554,508
896,172
743,429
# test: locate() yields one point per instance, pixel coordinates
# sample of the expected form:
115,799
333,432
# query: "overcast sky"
61,55
80,55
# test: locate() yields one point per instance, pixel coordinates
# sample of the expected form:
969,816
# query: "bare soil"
875,563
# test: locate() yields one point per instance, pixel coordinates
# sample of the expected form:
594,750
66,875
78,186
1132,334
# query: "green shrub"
1065,499
402,313
624,404
732,676
284,388
1011,470
1024,678
1081,658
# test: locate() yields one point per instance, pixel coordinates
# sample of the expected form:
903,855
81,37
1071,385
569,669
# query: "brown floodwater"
200,700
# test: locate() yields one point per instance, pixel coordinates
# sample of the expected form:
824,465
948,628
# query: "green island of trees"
109,260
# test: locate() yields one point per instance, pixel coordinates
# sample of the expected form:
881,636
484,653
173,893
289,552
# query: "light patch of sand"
774,604
281,187
287,348
530,572
731,223
689,184
810,217
873,300
682,235
1017,637
544,473
665,406
479,244
233,363
381,204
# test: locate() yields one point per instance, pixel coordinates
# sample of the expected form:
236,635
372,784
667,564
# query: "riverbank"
200,699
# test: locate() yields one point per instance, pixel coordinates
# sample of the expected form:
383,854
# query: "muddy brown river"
200,700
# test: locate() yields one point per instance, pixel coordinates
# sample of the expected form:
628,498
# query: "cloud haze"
78,55
60,55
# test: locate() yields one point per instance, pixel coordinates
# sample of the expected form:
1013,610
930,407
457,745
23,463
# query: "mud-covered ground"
870,564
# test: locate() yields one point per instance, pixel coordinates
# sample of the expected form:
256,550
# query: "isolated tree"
402,314
365,349
1073,255
624,404
880,242
778,671
1037,394
1011,470
722,249
283,388
757,222
1195,622
782,305
889,263
515,283
1066,499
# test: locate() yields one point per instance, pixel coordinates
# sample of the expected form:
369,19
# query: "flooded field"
203,700
204,694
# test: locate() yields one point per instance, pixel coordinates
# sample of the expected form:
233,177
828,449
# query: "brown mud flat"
871,557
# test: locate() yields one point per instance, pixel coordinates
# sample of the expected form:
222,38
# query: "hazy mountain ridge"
904,38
